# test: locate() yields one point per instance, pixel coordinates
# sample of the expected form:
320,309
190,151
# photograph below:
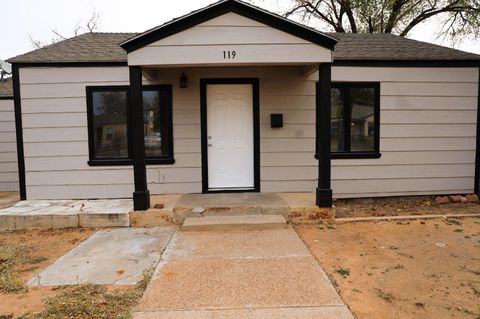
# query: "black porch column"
323,111
141,196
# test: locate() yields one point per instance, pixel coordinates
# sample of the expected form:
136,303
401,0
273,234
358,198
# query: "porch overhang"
231,33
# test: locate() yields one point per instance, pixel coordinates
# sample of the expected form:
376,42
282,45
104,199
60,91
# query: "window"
109,124
355,120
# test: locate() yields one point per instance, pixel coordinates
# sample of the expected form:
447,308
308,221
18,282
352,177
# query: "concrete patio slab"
113,256
226,204
49,214
234,222
332,312
231,200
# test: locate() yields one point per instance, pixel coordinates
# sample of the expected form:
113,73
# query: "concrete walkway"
240,274
111,256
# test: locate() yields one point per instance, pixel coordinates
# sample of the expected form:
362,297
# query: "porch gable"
229,32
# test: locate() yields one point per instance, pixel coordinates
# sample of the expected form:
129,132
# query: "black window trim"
376,141
92,161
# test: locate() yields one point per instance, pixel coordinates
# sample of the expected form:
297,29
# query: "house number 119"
229,55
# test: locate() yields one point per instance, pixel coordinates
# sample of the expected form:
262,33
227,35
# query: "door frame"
256,131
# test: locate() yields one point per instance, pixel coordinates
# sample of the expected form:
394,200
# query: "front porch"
256,100
174,208
171,209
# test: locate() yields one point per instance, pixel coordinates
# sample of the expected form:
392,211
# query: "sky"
25,19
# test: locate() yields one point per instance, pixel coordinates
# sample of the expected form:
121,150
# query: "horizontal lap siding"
8,147
254,43
287,158
427,140
56,138
427,133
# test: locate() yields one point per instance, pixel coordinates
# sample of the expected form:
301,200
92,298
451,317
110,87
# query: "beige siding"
428,133
8,147
254,43
56,138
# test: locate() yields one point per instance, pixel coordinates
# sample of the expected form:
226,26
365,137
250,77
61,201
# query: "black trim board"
6,97
407,63
477,155
256,130
70,64
19,131
223,7
141,195
323,109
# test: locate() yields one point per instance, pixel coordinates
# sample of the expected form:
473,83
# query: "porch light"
183,81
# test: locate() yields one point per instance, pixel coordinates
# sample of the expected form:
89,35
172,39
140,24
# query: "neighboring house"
8,145
236,99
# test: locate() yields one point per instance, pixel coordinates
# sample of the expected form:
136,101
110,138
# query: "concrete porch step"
234,222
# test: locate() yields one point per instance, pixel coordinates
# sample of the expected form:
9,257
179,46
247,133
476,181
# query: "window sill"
129,162
354,155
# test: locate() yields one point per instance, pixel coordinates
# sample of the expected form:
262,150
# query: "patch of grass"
388,297
36,260
344,272
451,221
458,230
10,257
90,301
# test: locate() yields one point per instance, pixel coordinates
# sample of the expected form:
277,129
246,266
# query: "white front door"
230,136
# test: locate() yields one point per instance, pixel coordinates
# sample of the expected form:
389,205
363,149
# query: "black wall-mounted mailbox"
276,120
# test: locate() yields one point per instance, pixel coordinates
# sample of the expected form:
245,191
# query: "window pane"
155,138
338,129
110,124
363,120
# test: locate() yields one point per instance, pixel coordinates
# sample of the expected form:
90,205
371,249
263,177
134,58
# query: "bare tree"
90,25
458,18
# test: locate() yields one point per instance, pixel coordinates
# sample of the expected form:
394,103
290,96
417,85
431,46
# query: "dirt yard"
8,199
398,206
408,269
36,250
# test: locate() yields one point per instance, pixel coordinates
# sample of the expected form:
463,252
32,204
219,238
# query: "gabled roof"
101,48
6,88
222,7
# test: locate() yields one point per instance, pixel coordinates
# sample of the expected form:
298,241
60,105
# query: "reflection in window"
338,129
354,117
363,108
110,124
152,124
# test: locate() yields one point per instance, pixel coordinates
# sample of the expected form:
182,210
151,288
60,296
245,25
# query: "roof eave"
24,63
407,63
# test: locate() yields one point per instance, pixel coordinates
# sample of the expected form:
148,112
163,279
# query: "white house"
8,145
234,98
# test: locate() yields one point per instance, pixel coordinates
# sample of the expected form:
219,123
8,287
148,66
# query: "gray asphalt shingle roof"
384,47
6,88
104,47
